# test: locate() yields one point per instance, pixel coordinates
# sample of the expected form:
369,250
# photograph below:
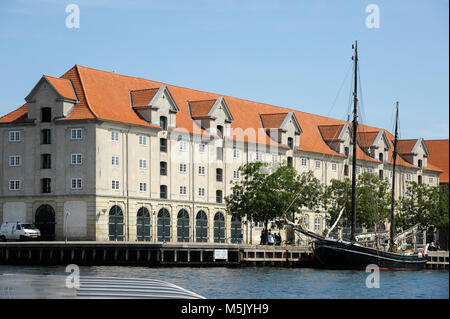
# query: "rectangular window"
182,190
236,174
46,185
183,168
236,153
333,167
76,134
46,161
163,191
345,170
115,160
115,185
304,162
259,156
317,224
219,153
380,174
46,114
290,142
114,136
201,192
163,168
142,140
183,146
163,145
14,160
14,136
218,174
274,158
143,164
358,169
201,148
14,185
370,170
219,196
142,187
201,170
76,159
76,183
431,180
46,136
317,164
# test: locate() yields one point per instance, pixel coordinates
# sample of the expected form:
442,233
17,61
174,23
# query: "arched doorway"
163,225
236,230
201,227
45,222
143,224
115,224
219,228
183,226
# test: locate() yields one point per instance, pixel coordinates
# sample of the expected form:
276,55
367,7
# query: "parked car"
19,231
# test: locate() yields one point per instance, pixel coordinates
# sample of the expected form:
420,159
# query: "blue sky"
289,53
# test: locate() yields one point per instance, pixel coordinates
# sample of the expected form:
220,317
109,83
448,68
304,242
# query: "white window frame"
201,191
408,176
14,136
236,153
334,167
370,170
76,134
142,187
183,146
317,223
142,140
358,169
78,159
15,160
15,183
201,170
274,158
318,164
183,168
115,185
431,180
201,148
259,156
236,174
183,190
142,163
115,160
78,183
304,162
115,136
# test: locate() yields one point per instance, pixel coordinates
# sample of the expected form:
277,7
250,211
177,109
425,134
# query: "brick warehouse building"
134,159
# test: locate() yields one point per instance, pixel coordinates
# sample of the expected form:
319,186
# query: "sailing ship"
339,254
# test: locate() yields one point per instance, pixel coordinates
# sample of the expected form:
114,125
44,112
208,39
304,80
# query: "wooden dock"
437,260
150,254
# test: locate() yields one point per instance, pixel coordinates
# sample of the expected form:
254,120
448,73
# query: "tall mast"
394,158
355,125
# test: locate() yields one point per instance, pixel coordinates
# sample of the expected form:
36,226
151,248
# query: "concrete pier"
150,254
437,260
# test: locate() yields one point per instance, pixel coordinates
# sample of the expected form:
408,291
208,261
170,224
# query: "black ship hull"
340,255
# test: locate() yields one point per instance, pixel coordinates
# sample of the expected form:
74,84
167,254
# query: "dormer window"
290,142
380,157
163,122
419,163
220,130
46,114
346,151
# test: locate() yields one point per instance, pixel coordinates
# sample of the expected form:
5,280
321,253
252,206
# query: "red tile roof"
439,157
63,86
406,146
331,132
366,139
200,108
273,120
141,98
106,95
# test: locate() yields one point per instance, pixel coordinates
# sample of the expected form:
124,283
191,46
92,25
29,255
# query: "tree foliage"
265,193
424,205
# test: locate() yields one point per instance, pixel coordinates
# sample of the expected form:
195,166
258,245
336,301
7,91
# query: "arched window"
201,227
183,226
236,230
143,224
219,228
45,222
115,223
163,225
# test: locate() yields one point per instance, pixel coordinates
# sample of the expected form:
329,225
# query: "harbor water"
237,283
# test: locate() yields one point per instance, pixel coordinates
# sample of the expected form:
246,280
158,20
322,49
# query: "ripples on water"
242,283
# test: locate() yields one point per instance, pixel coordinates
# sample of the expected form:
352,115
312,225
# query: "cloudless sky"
293,54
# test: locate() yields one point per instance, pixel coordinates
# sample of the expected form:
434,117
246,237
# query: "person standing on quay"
263,237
